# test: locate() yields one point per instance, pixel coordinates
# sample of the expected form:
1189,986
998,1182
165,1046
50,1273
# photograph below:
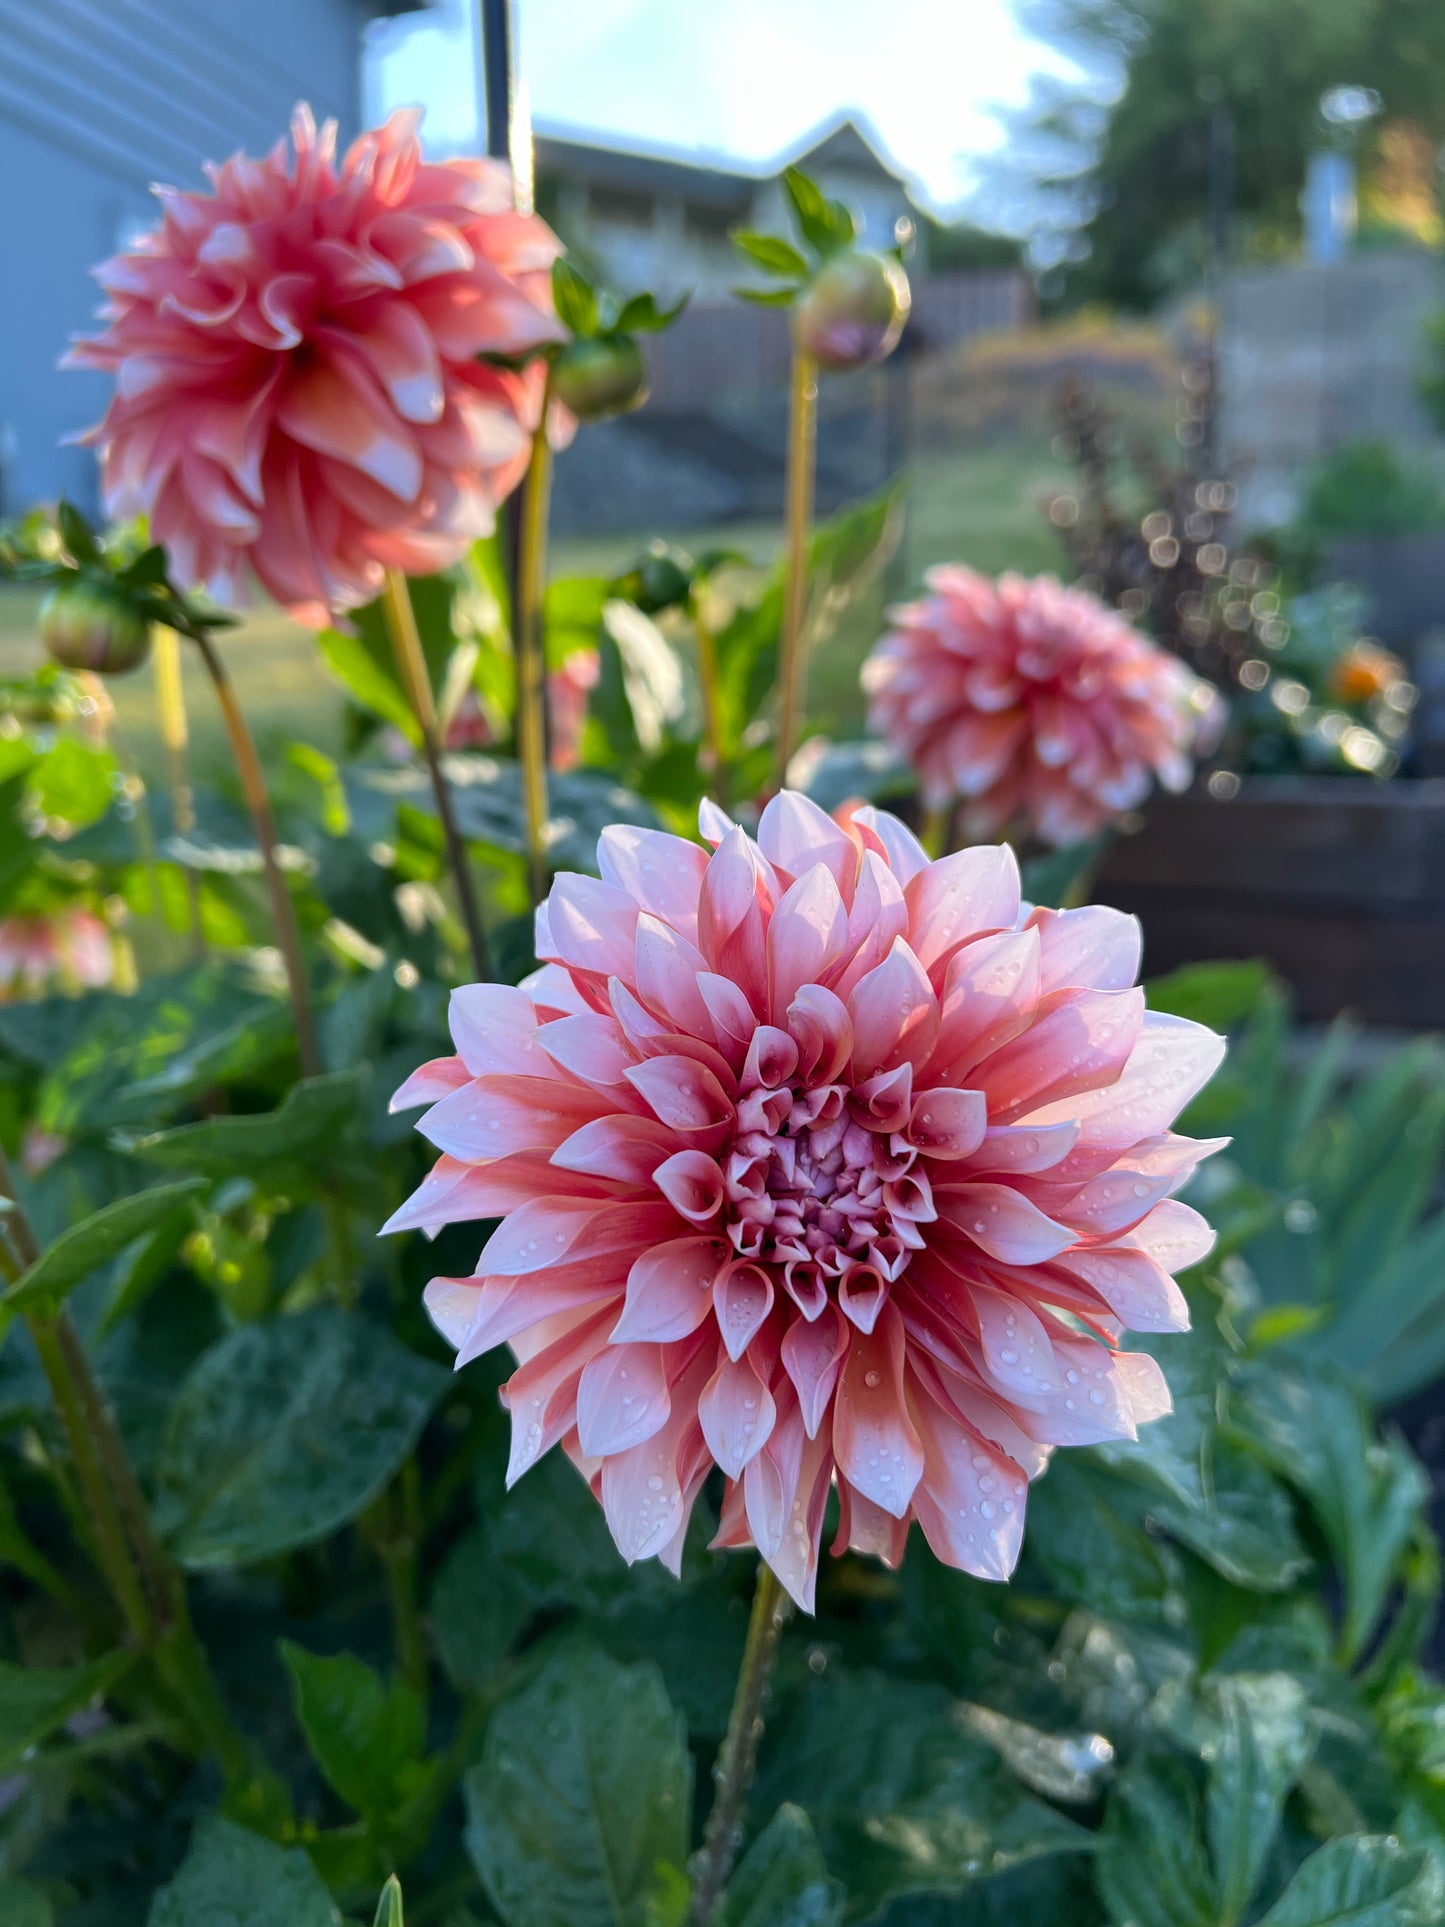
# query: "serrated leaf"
366,1734
82,1250
582,1793
231,1877
35,1700
771,252
781,1880
1360,1881
284,1431
575,298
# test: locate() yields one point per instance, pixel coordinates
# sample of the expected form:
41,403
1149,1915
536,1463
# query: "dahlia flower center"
817,1184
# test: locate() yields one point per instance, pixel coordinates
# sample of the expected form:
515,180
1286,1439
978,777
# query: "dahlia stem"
148,1588
283,911
738,1756
712,752
802,463
175,736
531,655
415,680
934,836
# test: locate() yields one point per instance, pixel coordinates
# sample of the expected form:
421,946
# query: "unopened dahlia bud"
85,625
853,310
600,376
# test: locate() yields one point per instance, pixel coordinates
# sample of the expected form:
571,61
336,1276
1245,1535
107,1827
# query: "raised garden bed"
1339,883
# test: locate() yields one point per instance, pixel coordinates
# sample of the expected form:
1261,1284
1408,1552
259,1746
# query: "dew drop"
1096,1397
872,1379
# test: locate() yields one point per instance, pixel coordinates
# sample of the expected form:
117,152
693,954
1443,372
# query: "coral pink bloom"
821,1163
67,949
569,693
1035,704
295,354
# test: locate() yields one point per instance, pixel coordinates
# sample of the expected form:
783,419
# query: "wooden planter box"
1340,884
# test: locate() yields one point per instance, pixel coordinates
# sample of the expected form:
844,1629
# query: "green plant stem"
416,682
171,716
802,463
531,656
712,753
397,1538
283,910
738,1755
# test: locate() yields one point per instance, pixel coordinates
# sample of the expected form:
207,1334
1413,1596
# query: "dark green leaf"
23,1904
478,1607
82,1250
1151,1868
75,533
581,1796
640,315
781,1880
1360,1881
1220,995
772,252
366,1734
575,298
290,1146
827,225
233,1878
284,1431
35,1700
1264,1739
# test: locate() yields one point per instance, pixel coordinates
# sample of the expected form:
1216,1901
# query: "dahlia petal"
428,1083
1020,1149
451,1304
959,897
692,1184
1171,1062
948,1124
504,1312
805,936
1083,1042
862,1294
642,1497
812,1356
876,917
1095,1401
1174,1235
401,352
552,992
590,926
970,1499
1002,1222
867,1528
488,1117
1093,948
894,1014
990,995
820,1026
541,1394
733,1017
794,834
665,971
326,406
1016,1348
794,1559
686,1096
900,848
737,1414
662,874
591,1047
874,1441
625,1148
669,1290
547,1230
730,918
622,1399
742,1298
1135,1286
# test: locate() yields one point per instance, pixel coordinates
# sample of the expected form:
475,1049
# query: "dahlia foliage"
823,1163
1035,705
295,353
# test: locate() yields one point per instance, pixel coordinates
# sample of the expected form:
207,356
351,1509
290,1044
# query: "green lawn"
979,506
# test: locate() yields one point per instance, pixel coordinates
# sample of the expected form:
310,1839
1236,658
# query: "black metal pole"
497,75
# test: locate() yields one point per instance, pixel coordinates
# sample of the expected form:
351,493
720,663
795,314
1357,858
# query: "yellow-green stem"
712,753
802,461
934,833
415,680
175,735
283,911
531,659
737,1757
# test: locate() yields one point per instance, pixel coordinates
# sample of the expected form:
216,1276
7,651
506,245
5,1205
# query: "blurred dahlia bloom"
1035,705
62,949
821,1163
295,355
569,694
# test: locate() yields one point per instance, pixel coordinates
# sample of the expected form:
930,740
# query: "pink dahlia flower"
295,354
65,949
826,1165
1034,704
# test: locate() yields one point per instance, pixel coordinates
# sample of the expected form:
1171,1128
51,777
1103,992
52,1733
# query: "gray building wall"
98,99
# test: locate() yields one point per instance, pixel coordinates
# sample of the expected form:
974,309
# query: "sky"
737,79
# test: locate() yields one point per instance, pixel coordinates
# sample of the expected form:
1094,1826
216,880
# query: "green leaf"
76,533
233,1878
1150,1868
82,1250
35,1700
781,1880
772,252
827,225
1087,1534
478,1607
1360,1881
1367,1495
1057,880
1265,1738
767,297
904,1798
1243,1526
582,1794
368,682
575,298
284,1431
291,1146
641,315
1220,995
388,1908
23,1904
367,1735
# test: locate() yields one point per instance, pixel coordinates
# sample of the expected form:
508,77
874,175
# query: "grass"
978,506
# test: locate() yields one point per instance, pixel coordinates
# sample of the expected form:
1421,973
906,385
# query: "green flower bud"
853,310
86,625
600,376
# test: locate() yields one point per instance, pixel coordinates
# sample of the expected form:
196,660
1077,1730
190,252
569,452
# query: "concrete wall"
99,98
1313,356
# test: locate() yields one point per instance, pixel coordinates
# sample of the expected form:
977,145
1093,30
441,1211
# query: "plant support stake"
531,662
416,682
802,457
